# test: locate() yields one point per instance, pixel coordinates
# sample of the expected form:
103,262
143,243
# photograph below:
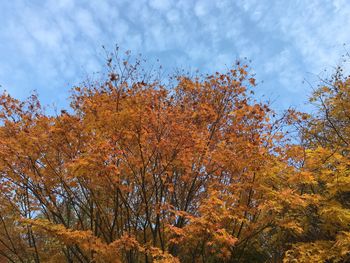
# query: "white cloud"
173,16
86,23
62,4
161,5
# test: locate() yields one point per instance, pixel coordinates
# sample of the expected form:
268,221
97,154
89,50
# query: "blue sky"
49,46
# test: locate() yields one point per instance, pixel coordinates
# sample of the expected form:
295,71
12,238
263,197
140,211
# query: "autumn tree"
325,138
139,171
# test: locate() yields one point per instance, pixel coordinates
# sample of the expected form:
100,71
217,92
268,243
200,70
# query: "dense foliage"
192,171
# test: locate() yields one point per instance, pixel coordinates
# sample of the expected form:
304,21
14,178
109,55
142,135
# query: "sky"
52,45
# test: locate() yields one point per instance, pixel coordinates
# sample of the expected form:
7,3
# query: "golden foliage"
137,171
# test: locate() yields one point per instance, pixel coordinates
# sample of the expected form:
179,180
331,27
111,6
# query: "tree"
137,171
326,138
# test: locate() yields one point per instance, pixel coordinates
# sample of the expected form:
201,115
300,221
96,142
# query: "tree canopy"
196,170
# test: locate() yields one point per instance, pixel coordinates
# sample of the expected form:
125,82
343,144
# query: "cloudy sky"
51,45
